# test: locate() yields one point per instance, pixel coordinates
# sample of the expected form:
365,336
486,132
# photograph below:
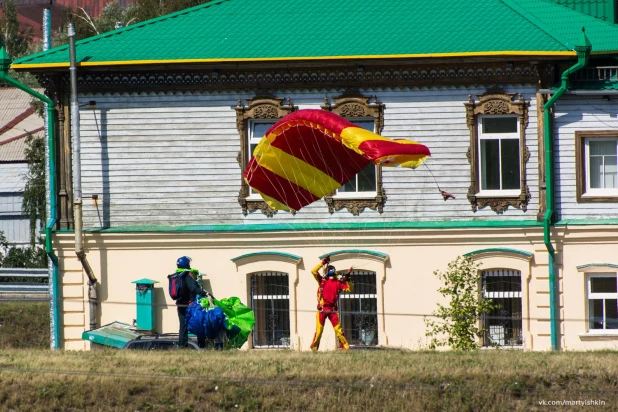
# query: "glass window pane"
500,125
610,172
490,165
358,310
502,281
260,128
365,124
350,186
596,171
602,147
596,313
603,284
271,306
367,179
510,163
611,314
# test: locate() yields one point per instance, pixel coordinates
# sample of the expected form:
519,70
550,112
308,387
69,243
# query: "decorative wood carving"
269,77
352,104
260,107
497,102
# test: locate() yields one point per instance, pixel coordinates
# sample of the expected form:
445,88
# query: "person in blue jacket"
191,291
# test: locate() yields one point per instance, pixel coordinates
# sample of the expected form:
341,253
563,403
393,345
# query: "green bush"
457,325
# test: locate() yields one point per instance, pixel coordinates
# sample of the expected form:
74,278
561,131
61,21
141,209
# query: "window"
270,301
359,310
365,180
596,155
503,325
499,150
257,129
365,189
602,303
252,121
497,153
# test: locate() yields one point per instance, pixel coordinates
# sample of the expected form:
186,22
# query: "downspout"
77,183
583,52
5,63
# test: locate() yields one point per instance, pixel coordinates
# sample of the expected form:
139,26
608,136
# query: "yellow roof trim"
265,59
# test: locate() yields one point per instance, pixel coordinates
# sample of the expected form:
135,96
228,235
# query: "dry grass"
291,381
24,325
377,380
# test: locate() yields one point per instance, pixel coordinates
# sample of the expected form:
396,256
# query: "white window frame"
498,136
357,194
589,191
253,195
604,296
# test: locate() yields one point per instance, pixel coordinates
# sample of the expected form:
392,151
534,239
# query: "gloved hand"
348,275
326,260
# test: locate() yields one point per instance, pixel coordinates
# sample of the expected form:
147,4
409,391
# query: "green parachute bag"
239,315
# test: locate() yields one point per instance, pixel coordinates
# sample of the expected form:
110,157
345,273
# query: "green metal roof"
115,334
262,30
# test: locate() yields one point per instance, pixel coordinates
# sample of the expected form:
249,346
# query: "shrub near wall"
24,325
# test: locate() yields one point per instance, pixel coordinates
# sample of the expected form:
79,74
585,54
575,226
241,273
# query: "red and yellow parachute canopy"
310,153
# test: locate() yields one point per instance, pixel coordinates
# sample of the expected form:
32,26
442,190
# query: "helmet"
330,271
184,262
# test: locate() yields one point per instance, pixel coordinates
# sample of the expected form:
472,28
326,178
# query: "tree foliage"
21,257
16,40
114,15
457,325
34,193
88,26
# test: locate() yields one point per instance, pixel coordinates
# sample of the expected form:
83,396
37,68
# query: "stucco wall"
407,288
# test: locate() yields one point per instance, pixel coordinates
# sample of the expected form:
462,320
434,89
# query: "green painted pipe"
583,52
4,77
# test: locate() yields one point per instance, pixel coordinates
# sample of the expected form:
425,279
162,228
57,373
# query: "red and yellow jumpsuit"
328,295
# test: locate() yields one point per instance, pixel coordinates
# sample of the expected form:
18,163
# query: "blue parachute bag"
205,323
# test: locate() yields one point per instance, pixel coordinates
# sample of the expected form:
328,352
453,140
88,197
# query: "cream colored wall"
595,245
406,286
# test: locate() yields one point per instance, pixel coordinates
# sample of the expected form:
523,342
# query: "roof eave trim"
22,66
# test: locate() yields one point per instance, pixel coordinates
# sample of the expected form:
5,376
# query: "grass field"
292,381
24,325
375,380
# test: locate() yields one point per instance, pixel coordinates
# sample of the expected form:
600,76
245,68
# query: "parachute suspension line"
445,195
431,173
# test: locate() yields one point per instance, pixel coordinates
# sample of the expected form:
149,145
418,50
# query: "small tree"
457,325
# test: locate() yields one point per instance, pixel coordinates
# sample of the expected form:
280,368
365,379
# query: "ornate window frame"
353,104
259,107
496,102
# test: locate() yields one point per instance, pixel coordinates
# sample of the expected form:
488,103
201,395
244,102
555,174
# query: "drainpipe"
77,183
583,52
5,63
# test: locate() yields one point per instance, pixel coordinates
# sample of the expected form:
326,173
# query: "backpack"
176,285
